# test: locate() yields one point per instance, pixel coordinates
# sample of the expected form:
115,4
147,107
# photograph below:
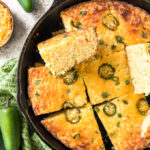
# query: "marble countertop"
23,22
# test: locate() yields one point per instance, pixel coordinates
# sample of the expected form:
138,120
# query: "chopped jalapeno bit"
37,82
119,115
76,136
96,56
70,77
118,124
83,12
116,79
149,48
77,25
96,132
109,109
125,102
96,109
113,47
101,42
105,94
144,34
142,106
110,22
92,140
112,134
37,94
67,104
73,115
119,39
127,82
68,91
65,35
106,71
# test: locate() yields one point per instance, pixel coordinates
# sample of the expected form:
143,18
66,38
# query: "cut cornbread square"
126,121
139,64
81,135
106,77
49,94
64,51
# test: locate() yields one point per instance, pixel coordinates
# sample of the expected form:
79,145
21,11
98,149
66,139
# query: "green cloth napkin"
8,88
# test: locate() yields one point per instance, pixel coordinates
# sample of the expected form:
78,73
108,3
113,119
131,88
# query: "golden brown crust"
133,21
47,93
89,136
64,51
127,129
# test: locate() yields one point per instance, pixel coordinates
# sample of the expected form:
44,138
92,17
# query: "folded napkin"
8,88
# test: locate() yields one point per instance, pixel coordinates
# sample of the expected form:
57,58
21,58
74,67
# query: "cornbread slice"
83,135
117,23
64,51
125,120
106,77
139,64
48,94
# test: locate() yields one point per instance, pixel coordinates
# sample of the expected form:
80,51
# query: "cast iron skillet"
51,21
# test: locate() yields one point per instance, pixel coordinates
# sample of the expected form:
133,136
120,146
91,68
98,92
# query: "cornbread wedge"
126,122
139,64
64,51
83,134
116,22
106,77
48,94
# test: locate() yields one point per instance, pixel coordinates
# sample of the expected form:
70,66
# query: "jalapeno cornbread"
64,51
123,119
139,63
107,77
48,94
107,81
82,135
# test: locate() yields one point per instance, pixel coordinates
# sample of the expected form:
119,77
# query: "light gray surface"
24,22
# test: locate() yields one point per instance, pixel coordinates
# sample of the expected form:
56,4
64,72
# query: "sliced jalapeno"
106,71
67,104
109,109
73,115
142,106
77,25
70,77
110,22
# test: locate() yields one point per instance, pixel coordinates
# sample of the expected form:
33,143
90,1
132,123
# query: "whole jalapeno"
27,5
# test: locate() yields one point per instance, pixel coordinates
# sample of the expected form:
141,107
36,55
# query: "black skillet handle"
56,3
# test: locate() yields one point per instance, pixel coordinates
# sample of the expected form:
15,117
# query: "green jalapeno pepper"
10,127
106,71
27,5
110,109
70,77
1,142
73,115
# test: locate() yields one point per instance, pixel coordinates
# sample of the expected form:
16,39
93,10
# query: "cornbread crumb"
139,64
64,51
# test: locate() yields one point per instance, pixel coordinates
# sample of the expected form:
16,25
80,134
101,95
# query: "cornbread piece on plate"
139,64
76,128
6,24
106,77
48,94
64,51
127,121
